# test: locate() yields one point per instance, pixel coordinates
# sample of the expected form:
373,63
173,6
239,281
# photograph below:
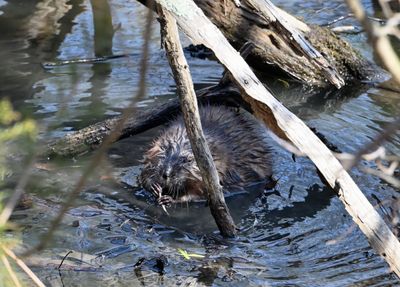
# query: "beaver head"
170,164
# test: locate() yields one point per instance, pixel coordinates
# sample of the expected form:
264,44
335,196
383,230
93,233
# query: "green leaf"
188,256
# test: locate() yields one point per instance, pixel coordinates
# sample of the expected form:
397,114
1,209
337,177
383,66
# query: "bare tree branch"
286,125
192,121
378,38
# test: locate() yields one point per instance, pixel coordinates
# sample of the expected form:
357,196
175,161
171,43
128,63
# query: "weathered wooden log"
191,116
89,138
284,45
200,30
282,23
274,50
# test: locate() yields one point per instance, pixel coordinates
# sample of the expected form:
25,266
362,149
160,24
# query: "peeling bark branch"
201,31
191,116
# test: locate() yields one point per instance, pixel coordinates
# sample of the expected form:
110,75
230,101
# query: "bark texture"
191,116
275,51
89,138
196,26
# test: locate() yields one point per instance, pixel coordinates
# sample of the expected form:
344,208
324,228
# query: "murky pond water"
297,235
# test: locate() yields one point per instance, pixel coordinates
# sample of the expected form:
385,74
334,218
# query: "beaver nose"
167,172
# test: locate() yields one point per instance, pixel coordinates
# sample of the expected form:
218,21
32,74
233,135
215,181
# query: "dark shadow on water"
195,217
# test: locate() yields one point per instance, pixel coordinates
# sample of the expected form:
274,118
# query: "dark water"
297,235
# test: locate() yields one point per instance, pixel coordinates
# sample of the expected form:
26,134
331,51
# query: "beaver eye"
185,160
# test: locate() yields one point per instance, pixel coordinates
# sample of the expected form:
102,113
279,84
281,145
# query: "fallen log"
276,48
90,138
200,30
284,45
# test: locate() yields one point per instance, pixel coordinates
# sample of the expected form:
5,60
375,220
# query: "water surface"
296,235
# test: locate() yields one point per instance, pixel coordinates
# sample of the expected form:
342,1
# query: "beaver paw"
165,200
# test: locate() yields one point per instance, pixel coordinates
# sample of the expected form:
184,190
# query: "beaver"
238,146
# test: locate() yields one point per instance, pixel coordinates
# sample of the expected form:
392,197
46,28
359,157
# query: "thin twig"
388,178
49,65
378,38
10,270
65,257
344,17
341,18
23,266
99,155
19,190
387,132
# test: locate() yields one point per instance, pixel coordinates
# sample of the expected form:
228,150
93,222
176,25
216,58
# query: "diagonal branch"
190,111
285,124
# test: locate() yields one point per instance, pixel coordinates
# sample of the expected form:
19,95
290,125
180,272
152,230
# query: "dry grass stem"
10,271
23,266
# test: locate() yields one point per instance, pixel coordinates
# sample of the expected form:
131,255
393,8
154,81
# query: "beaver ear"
190,157
150,154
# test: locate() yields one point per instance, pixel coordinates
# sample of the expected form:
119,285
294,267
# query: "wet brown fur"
238,147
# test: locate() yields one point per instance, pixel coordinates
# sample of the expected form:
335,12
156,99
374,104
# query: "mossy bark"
274,53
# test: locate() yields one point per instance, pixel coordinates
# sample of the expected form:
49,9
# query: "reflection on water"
296,235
